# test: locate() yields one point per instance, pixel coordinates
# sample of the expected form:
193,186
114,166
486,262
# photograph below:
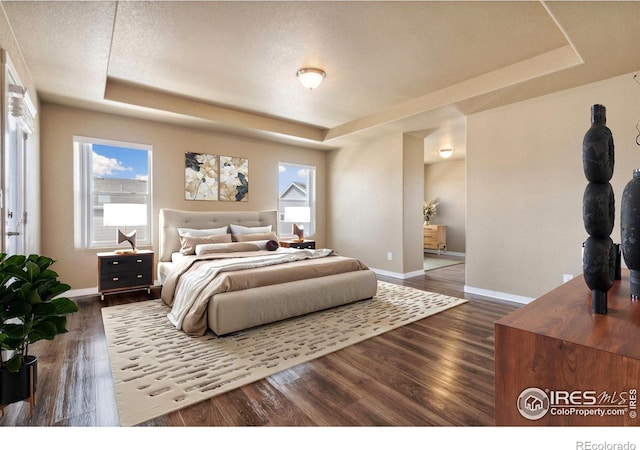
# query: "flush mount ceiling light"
310,78
445,152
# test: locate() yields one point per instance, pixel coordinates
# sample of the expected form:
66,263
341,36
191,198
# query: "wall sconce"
445,152
124,215
310,78
299,215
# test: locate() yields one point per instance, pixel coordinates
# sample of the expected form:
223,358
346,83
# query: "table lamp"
125,215
299,215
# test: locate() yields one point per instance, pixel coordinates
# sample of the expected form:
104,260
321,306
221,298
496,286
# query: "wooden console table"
586,366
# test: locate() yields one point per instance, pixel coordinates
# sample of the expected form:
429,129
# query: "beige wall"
413,193
60,124
445,182
32,194
525,184
370,209
8,43
365,216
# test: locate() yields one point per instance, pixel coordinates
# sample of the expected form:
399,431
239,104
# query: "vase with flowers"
429,210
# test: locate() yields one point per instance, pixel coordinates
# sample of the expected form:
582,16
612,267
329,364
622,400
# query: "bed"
228,282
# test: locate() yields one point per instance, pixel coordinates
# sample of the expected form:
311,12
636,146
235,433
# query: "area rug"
436,263
158,369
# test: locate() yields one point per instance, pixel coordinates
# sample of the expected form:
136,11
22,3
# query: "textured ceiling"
416,67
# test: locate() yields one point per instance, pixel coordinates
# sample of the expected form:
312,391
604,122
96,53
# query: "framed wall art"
201,176
234,179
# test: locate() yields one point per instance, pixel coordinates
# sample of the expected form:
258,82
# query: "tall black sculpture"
598,209
630,228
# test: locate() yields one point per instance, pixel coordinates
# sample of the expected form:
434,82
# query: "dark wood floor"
437,371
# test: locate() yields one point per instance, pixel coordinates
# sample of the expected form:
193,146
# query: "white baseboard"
81,292
498,295
401,276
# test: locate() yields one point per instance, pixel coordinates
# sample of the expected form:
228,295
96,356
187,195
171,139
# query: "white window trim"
312,200
83,174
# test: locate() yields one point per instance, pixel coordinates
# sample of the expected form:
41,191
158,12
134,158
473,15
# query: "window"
109,172
297,188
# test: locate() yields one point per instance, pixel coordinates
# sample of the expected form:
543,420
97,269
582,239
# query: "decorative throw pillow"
239,229
255,237
204,249
202,231
189,242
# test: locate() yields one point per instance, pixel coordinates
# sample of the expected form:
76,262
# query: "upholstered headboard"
172,219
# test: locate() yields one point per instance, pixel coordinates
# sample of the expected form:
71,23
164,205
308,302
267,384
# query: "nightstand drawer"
304,244
124,280
311,245
430,241
118,264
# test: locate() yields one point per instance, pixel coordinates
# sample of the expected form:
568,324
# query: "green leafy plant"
31,308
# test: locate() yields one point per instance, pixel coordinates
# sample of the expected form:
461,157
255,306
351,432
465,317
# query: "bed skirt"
237,310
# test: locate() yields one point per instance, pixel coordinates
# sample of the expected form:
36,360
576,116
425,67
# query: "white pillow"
197,232
239,229
176,257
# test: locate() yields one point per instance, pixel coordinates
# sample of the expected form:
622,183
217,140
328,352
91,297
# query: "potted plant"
31,309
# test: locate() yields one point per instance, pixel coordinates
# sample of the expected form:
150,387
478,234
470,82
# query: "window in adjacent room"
297,189
109,172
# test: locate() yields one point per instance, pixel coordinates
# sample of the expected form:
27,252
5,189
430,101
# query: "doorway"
14,187
445,237
17,124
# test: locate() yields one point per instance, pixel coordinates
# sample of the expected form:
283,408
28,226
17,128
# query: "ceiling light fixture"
445,152
310,78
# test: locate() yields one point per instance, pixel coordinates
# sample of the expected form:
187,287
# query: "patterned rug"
158,369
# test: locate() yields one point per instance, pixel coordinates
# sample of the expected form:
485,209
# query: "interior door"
14,211
14,140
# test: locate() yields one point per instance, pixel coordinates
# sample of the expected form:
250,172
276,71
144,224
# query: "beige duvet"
195,279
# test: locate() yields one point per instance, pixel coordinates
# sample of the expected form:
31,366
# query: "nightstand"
295,244
125,271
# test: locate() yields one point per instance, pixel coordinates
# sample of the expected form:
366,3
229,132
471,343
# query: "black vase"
16,386
598,210
630,230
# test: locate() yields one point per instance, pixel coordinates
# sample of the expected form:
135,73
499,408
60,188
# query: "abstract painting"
201,176
234,179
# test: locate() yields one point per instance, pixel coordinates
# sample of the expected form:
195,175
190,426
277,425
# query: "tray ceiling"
393,66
